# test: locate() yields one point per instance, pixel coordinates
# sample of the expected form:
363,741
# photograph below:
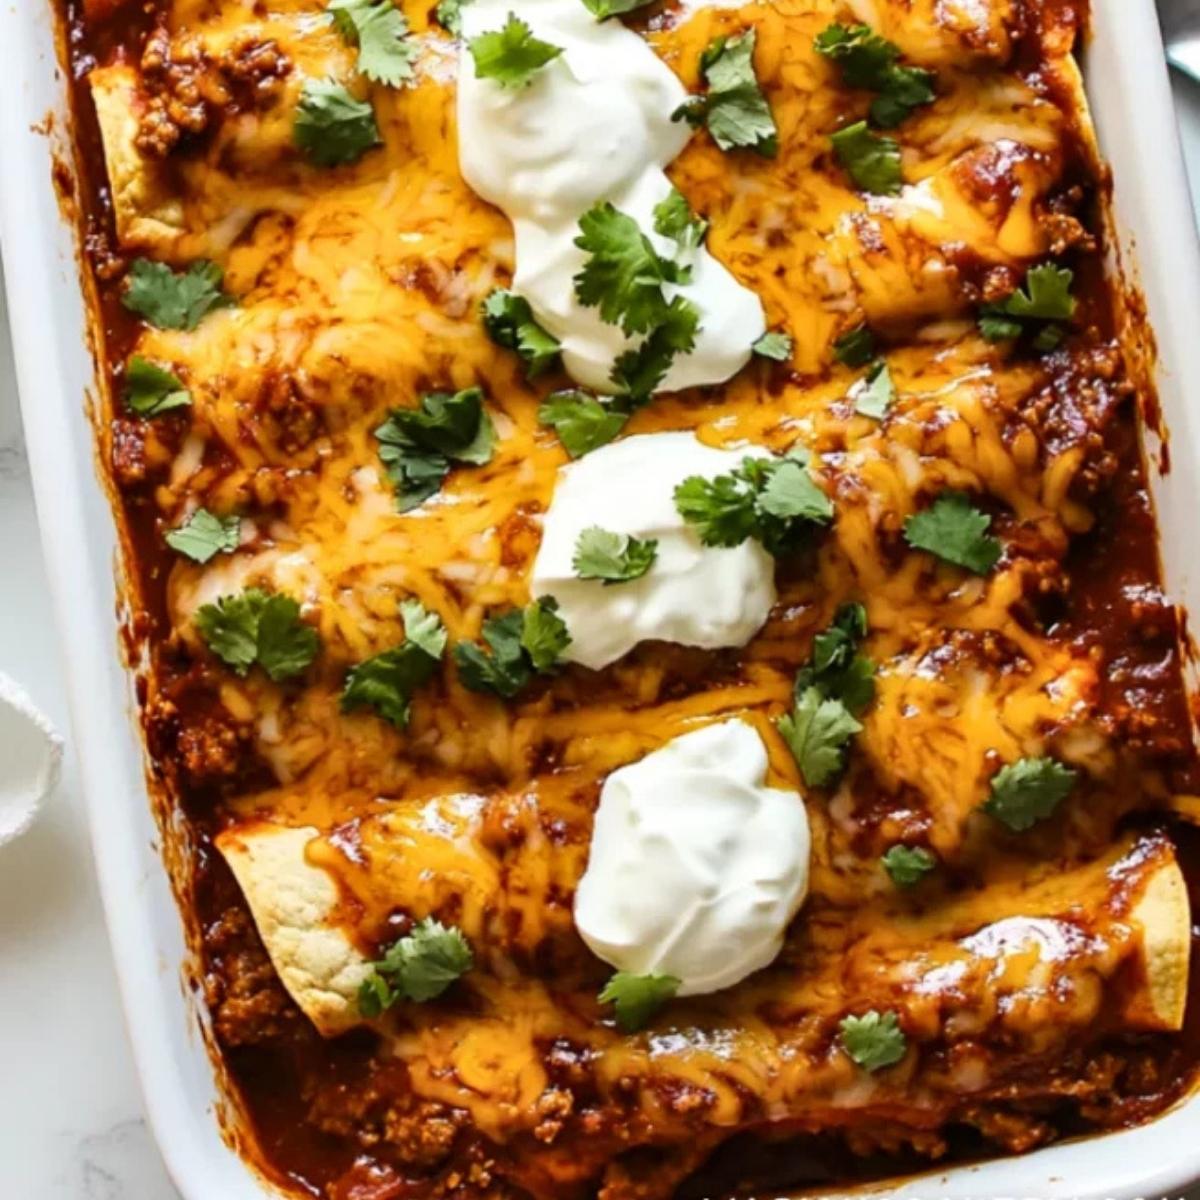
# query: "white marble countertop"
70,1112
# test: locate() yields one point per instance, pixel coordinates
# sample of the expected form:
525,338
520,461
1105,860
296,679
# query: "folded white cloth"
30,757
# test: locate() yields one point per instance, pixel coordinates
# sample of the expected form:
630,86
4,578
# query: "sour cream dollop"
696,595
593,124
696,867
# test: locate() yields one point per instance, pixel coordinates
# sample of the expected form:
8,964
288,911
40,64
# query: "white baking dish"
1132,105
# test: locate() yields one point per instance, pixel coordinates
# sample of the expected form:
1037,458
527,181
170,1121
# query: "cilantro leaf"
877,392
855,348
151,390
380,31
639,372
874,1040
817,731
417,968
1028,791
387,681
836,669
908,865
203,536
673,218
581,421
1046,297
512,55
956,532
624,274
636,998
174,301
872,159
774,345
772,500
871,62
448,15
544,634
257,627
734,108
612,557
507,669
603,9
418,446
509,322
331,127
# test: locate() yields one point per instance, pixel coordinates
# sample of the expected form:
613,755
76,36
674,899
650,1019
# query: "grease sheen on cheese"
594,124
696,595
696,866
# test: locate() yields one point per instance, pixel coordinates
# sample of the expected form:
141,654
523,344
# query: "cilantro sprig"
875,393
830,693
151,390
387,681
855,348
775,345
871,159
331,128
448,15
640,371
174,300
583,422
734,107
611,557
674,219
522,643
419,445
418,967
510,323
1027,791
874,1040
956,532
1039,308
203,536
774,500
511,56
380,31
603,9
256,627
637,998
871,62
907,865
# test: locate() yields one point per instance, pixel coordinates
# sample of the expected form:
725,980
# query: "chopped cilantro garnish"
624,274
734,108
151,390
775,501
1028,791
521,642
775,345
612,557
836,668
956,532
603,9
419,445
203,536
387,681
418,967
874,1040
509,322
380,31
673,218
871,62
636,998
877,392
817,731
512,55
332,128
256,627
872,159
448,15
582,422
1046,298
639,372
174,301
908,865
855,348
